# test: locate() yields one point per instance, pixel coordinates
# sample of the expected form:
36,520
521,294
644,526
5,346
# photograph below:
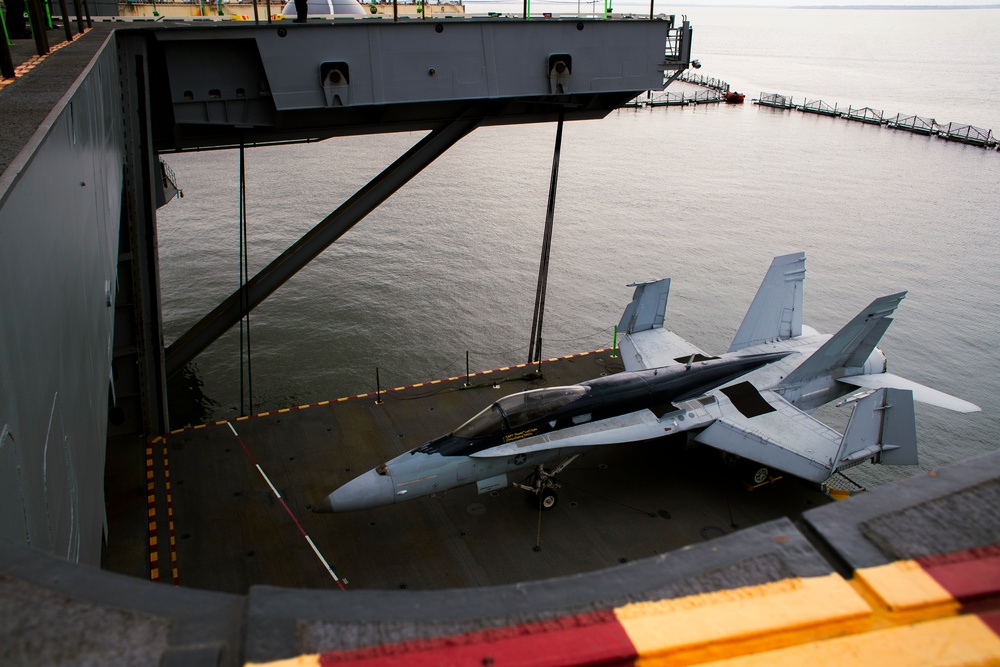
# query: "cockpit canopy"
511,412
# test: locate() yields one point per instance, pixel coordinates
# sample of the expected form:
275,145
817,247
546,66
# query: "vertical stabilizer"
648,308
776,311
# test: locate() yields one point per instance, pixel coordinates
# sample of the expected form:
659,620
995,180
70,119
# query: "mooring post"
37,18
65,20
614,344
378,388
78,8
6,62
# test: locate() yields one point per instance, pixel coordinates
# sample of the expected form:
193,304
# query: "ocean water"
705,195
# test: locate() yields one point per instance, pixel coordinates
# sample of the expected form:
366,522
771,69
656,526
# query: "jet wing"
632,427
646,344
921,393
764,427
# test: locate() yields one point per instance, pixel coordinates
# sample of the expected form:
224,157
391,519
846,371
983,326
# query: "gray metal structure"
108,619
81,335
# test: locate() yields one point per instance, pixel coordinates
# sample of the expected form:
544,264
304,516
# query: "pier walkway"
41,82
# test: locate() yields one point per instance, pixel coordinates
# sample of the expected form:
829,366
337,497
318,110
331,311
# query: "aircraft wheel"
549,499
760,475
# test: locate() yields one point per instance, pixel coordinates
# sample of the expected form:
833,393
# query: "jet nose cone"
363,492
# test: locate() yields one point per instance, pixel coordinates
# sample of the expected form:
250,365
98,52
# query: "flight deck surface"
230,530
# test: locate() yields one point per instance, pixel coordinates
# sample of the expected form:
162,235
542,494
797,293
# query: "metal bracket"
560,73
335,77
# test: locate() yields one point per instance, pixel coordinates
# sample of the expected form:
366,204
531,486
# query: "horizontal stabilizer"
921,393
776,311
852,345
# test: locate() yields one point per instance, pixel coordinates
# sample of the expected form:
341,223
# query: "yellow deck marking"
298,661
959,640
904,586
658,628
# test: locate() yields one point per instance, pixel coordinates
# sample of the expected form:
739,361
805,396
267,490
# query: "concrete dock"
231,531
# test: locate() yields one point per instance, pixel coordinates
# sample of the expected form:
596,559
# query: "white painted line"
323,560
230,424
261,471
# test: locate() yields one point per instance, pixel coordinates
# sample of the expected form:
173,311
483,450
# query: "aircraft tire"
549,499
760,475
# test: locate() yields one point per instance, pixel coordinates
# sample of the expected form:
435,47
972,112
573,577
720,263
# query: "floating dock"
775,101
967,134
865,115
819,107
914,124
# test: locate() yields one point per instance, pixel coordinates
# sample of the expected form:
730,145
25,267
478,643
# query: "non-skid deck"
231,530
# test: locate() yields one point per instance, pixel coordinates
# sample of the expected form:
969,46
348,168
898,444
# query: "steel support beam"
139,215
535,346
320,237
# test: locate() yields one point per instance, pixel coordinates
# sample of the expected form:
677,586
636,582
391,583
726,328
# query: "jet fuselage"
450,460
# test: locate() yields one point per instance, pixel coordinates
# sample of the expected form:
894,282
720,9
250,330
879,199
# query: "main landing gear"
541,485
753,474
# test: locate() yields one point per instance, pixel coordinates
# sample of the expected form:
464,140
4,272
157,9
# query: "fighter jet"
752,402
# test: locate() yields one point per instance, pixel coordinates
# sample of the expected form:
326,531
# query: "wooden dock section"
219,486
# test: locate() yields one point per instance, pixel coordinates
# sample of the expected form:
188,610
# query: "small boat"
734,98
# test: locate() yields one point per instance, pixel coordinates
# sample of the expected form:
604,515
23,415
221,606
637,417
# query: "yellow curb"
904,586
959,640
666,626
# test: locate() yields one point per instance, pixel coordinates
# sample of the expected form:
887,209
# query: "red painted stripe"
992,621
585,639
280,499
968,575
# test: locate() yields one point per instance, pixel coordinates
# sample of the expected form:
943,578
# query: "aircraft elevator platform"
229,529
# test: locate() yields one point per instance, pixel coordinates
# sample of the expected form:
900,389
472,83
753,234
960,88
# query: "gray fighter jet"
752,402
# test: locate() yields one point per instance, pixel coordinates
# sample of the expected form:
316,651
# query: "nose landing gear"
542,486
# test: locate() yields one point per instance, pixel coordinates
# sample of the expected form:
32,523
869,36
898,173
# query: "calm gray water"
704,195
